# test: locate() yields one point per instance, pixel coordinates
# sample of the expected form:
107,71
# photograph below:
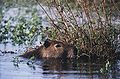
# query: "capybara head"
52,49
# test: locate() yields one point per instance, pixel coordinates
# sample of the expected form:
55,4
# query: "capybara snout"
52,49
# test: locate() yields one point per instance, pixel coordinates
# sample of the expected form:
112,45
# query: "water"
51,68
13,68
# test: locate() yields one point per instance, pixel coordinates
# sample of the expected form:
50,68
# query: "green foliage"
50,32
4,32
26,31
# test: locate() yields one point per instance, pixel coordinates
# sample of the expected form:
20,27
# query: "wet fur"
52,49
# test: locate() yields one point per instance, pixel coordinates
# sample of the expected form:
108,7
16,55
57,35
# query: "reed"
87,24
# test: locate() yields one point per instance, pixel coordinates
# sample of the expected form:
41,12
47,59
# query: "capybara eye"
58,45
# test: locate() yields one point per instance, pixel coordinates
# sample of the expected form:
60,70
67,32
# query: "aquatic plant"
86,24
25,30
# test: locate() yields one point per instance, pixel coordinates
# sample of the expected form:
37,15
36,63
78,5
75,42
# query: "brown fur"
51,49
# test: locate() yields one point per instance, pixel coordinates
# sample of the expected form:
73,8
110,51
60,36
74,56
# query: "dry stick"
110,13
71,12
86,9
79,12
115,6
103,7
105,14
81,15
52,12
95,6
47,15
82,8
104,34
60,37
49,9
104,11
72,25
81,30
62,17
67,16
78,35
73,37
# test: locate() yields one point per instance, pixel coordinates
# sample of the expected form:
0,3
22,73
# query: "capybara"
52,49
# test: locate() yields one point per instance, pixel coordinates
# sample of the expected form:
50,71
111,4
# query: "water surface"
13,67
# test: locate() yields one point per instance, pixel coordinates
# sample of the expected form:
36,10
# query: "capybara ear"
47,43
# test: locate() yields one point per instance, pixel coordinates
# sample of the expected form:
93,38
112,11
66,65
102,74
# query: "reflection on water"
20,68
79,69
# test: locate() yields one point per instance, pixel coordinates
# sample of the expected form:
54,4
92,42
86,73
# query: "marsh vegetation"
92,26
87,24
